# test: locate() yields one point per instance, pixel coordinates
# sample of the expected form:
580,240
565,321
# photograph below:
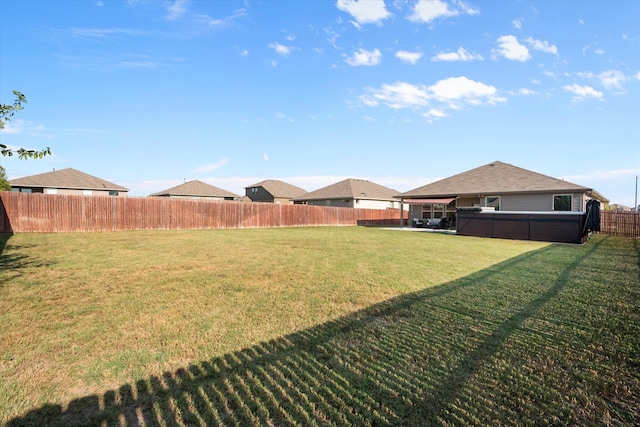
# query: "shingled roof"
351,189
280,189
196,188
68,178
494,178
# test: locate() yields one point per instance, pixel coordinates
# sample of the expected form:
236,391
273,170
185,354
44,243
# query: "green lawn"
317,326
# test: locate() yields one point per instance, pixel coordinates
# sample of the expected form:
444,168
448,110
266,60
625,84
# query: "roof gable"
494,178
68,178
280,189
195,188
352,189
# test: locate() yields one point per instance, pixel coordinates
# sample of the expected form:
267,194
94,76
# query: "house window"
492,202
254,190
562,202
113,193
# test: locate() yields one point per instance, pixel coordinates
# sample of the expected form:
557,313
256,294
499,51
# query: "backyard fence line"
33,212
618,223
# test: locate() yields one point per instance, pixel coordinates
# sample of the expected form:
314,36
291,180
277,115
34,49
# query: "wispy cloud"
176,9
542,45
208,21
103,33
607,175
282,116
612,79
524,92
460,55
25,127
581,93
281,49
212,166
364,57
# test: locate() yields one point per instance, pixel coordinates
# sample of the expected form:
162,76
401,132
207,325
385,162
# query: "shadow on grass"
14,262
432,357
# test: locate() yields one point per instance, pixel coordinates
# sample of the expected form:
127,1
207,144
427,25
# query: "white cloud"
517,23
397,96
408,57
280,49
460,55
434,114
430,10
365,11
466,90
244,52
212,166
364,57
580,93
542,46
449,94
510,48
612,79
265,156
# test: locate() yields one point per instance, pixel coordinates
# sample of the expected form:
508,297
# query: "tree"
6,113
4,183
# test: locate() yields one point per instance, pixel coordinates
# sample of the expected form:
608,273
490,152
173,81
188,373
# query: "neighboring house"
497,186
352,193
67,181
274,191
620,208
197,190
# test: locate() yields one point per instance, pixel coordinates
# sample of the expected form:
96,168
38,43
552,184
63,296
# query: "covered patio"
432,212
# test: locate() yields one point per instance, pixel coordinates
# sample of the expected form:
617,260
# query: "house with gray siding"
352,193
497,186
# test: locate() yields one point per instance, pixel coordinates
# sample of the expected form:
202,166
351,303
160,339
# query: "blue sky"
150,93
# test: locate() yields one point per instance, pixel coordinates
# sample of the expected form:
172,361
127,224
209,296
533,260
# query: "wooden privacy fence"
29,212
616,223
